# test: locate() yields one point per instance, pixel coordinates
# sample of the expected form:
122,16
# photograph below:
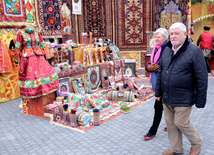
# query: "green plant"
125,108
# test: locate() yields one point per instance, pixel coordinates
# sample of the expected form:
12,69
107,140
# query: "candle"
90,38
82,38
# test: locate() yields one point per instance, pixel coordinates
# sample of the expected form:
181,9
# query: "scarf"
154,57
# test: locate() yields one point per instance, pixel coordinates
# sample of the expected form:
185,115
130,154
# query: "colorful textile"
171,14
131,22
13,11
66,22
130,67
130,83
172,11
49,14
72,72
77,101
7,35
9,87
71,58
126,96
117,70
36,76
87,85
64,85
113,110
104,72
33,44
99,99
83,118
115,51
6,63
95,18
78,87
93,73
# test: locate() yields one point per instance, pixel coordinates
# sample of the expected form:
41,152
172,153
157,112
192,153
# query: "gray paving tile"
24,134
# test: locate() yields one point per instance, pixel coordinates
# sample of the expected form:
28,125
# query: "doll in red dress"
36,76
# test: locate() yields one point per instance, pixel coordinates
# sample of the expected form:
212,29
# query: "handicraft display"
130,67
64,85
84,56
104,72
100,50
83,118
71,58
12,10
96,56
115,51
141,72
72,72
117,70
90,58
93,73
78,87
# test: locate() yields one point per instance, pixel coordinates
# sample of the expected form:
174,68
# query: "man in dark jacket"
182,81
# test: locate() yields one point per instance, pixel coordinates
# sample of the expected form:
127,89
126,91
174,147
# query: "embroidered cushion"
77,101
98,100
130,83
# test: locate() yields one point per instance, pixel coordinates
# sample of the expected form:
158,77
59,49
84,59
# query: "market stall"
94,85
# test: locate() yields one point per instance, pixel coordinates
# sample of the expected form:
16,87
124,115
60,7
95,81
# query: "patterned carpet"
113,110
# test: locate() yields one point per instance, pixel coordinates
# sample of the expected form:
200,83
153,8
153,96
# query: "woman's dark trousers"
157,117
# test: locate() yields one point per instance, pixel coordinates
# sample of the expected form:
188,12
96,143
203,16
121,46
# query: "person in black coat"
181,82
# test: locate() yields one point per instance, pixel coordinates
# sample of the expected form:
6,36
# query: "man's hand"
157,98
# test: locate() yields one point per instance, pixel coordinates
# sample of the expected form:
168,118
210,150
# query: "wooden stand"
35,106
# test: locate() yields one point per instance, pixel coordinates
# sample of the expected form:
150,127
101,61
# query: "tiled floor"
24,134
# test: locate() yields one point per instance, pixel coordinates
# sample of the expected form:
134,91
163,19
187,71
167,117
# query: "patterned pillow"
77,101
130,83
78,87
98,100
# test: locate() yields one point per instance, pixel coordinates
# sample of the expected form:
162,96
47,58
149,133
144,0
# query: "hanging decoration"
77,7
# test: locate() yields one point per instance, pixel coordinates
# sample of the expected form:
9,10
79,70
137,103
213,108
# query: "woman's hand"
157,98
153,67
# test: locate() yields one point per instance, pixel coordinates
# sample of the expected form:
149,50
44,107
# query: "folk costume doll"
36,76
